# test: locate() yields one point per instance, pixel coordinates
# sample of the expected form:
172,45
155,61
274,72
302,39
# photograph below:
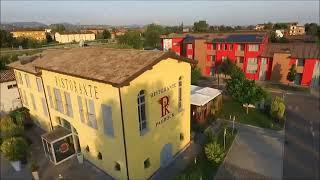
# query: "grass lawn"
255,116
204,168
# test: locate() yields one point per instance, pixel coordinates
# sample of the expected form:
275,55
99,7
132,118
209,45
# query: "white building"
9,94
279,33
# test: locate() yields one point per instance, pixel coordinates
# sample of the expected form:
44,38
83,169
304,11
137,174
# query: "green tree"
152,36
268,26
6,39
227,66
131,38
57,27
48,38
195,75
14,148
105,34
280,26
277,108
10,129
292,73
200,26
311,29
214,152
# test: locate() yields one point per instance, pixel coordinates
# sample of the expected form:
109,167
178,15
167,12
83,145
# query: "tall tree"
6,39
152,36
57,27
131,38
200,26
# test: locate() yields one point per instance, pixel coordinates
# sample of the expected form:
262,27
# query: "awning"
57,134
201,96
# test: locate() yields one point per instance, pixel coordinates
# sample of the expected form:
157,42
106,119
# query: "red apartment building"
251,52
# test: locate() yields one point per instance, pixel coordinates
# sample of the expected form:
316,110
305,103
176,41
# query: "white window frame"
189,46
142,103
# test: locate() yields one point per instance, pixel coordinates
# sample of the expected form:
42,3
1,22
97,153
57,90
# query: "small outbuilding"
205,102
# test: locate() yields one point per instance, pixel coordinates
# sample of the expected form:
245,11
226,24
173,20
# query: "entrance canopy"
202,95
57,134
58,144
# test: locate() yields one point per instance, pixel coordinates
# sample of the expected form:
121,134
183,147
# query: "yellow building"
35,34
126,111
68,37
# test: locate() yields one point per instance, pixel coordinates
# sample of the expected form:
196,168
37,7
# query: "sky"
162,12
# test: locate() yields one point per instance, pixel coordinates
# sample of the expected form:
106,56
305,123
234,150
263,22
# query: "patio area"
69,169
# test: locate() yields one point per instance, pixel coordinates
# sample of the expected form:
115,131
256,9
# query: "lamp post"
224,138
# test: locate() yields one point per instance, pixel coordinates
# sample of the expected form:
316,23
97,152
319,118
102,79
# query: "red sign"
164,101
64,147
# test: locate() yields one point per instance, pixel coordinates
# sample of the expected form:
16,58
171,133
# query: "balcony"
239,53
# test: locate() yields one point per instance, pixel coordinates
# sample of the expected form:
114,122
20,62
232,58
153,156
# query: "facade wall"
308,72
200,54
280,67
68,38
10,98
110,147
161,130
32,98
38,35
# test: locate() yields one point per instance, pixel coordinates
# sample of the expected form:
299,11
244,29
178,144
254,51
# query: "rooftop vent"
24,59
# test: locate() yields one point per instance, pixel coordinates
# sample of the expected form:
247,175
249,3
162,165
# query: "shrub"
34,166
14,148
277,108
195,75
10,129
214,152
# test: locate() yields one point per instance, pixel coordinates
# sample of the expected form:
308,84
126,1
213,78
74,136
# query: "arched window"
180,94
142,111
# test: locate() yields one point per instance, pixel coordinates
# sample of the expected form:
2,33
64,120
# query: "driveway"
256,153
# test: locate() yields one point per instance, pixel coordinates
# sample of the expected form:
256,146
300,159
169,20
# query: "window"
99,156
264,61
146,163
58,100
50,96
117,166
181,137
25,98
214,46
20,78
39,84
300,62
240,60
91,116
254,47
224,47
81,110
240,47
190,56
180,94
26,76
33,101
107,120
230,47
189,46
44,107
87,149
68,104
252,61
142,112
218,46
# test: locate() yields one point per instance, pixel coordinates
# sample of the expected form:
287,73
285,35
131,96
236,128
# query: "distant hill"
20,25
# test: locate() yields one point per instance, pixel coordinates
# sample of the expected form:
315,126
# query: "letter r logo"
164,101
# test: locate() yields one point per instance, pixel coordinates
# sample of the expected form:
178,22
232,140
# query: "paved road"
301,154
256,153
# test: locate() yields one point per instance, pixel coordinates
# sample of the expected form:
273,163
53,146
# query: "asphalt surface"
301,152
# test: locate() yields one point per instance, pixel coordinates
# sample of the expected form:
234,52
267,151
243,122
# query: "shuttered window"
253,47
39,84
58,100
44,107
107,120
25,98
50,96
91,115
33,101
81,110
68,104
26,76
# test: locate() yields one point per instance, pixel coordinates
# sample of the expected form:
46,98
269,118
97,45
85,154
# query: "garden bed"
255,117
202,167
